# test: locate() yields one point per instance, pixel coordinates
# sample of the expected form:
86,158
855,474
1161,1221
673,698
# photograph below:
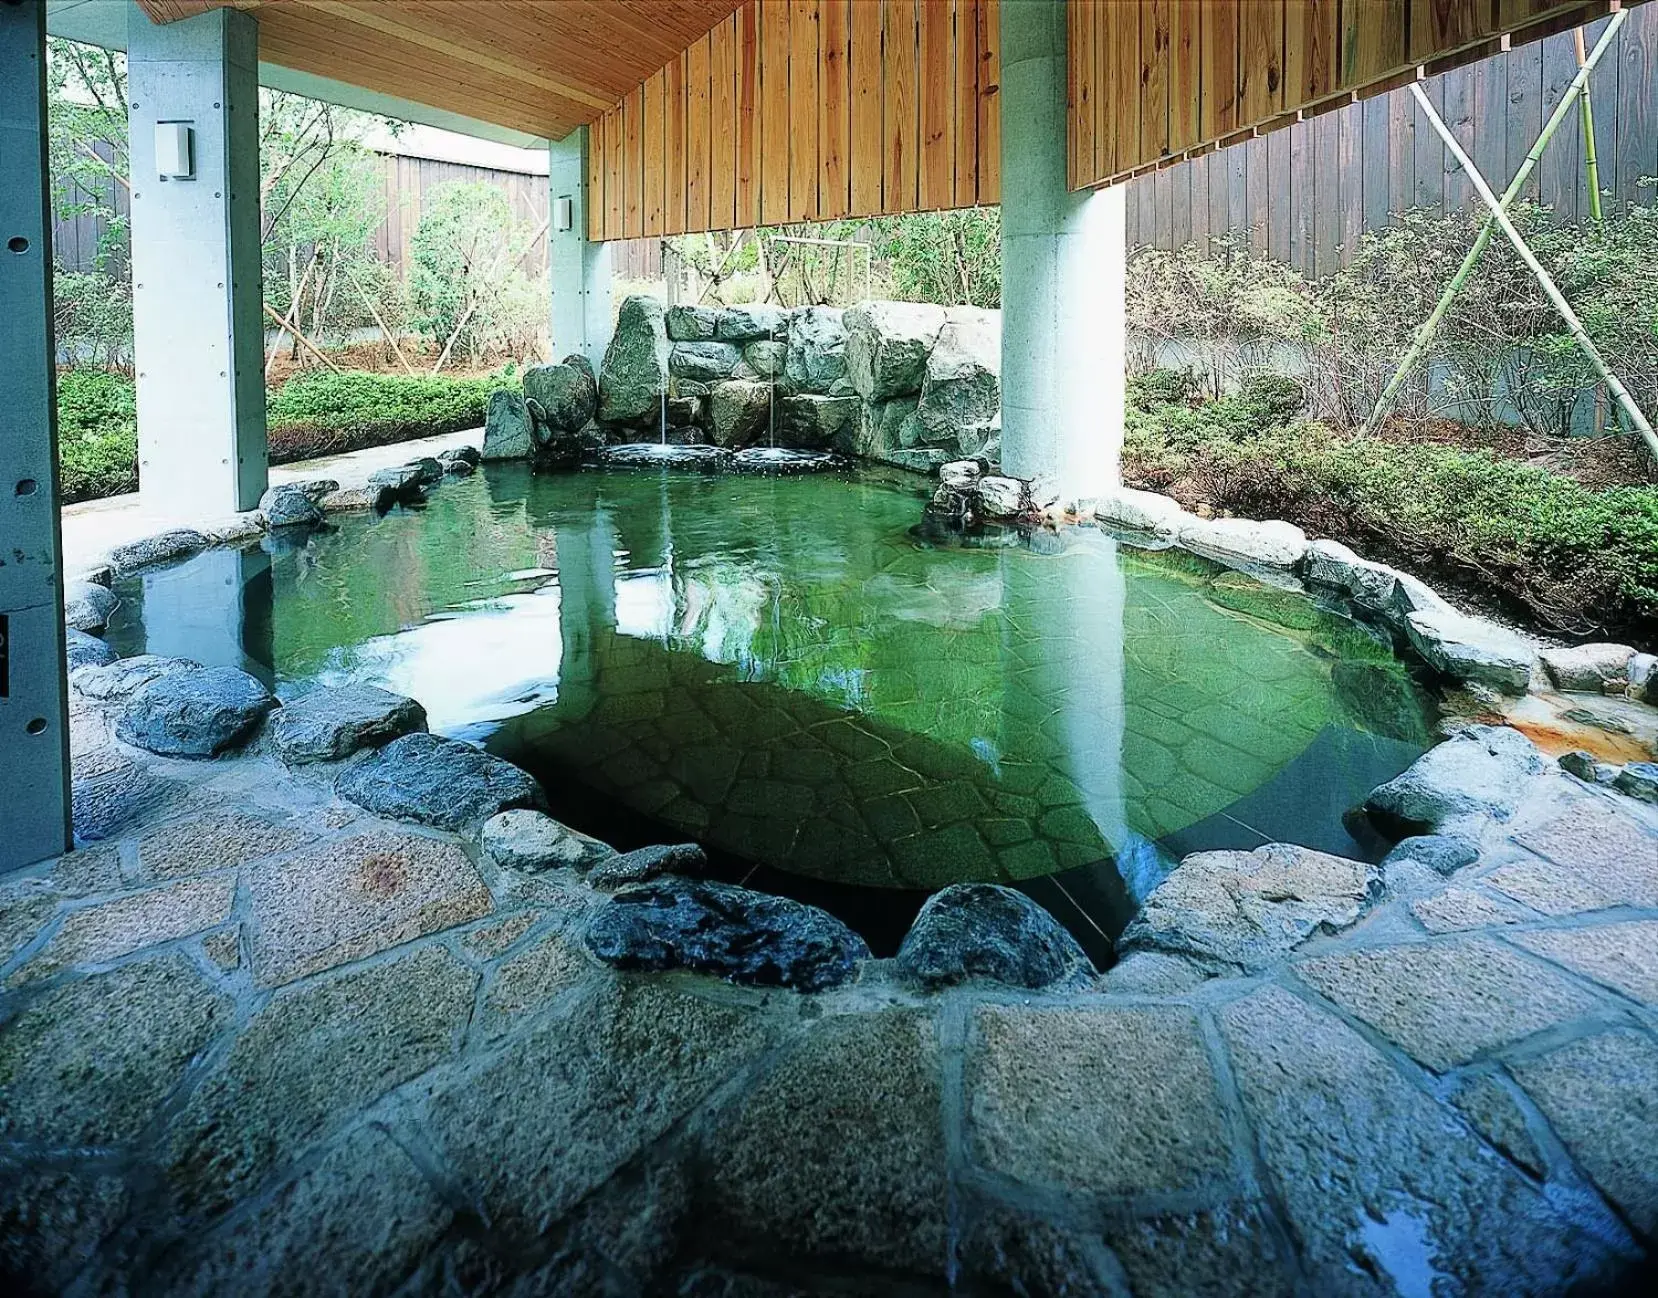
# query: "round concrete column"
1063,260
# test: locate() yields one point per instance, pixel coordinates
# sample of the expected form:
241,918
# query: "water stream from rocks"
774,667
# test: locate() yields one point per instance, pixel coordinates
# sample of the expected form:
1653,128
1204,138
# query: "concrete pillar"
197,297
34,702
1063,257
578,268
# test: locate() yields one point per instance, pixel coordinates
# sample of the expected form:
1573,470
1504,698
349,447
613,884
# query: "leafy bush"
1577,560
465,284
92,317
322,413
97,434
313,414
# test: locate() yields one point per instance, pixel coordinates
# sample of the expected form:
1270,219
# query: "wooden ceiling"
543,67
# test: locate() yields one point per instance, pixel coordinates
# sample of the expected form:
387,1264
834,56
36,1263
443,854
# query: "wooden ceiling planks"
812,110
539,66
1260,64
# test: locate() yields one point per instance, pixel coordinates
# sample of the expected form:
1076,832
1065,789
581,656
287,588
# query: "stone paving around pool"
259,1040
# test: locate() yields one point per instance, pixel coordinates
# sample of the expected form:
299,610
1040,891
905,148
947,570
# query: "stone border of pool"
1491,661
371,1012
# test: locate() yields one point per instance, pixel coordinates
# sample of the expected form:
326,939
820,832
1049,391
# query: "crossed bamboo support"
1499,220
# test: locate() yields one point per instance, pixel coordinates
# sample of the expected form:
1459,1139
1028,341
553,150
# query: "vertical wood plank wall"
1155,81
806,110
1305,194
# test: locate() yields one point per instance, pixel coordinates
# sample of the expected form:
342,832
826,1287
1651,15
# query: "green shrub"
322,413
313,414
97,434
1575,559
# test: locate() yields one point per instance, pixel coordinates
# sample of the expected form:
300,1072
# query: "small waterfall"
664,416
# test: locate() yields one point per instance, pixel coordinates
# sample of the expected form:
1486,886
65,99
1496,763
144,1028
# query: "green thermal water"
775,668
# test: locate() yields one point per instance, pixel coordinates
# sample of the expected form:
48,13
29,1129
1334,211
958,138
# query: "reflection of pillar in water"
216,607
1070,608
586,607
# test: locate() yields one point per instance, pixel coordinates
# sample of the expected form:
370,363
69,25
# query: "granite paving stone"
214,841
1382,1187
596,1085
89,1061
308,1061
1596,859
1620,956
105,931
1600,1093
1448,1001
358,1221
341,901
1035,1080
864,1176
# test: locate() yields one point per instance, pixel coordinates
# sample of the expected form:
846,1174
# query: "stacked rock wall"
908,384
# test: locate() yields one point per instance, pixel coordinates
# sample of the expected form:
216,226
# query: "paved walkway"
258,1041
95,527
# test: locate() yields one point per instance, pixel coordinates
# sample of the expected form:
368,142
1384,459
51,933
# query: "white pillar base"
1063,268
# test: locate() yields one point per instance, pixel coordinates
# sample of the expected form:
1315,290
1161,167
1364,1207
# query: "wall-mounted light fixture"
175,155
564,213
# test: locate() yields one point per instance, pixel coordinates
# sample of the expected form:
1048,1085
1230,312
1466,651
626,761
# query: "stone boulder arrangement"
531,842
1472,649
739,412
887,346
1272,544
730,932
508,433
87,606
691,323
1588,668
84,650
1244,911
704,362
436,781
961,395
563,397
163,547
646,863
985,931
121,678
328,725
751,323
634,376
816,361
291,505
194,712
1482,773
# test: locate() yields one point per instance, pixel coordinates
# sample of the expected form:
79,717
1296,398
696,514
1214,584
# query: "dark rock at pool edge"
437,781
735,933
983,930
326,725
83,650
196,712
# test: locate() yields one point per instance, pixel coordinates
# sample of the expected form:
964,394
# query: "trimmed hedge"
313,414
1577,560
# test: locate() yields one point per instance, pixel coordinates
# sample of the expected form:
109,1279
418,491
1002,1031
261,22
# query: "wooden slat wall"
1155,81
808,110
1305,194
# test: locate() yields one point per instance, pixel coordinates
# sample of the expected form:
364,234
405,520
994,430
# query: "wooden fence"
406,182
1304,194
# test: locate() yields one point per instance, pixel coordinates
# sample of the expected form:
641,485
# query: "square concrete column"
1063,262
34,704
578,268
199,343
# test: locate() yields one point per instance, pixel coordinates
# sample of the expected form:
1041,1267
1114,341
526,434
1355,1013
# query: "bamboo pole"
1591,164
301,338
1575,326
1419,345
379,320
